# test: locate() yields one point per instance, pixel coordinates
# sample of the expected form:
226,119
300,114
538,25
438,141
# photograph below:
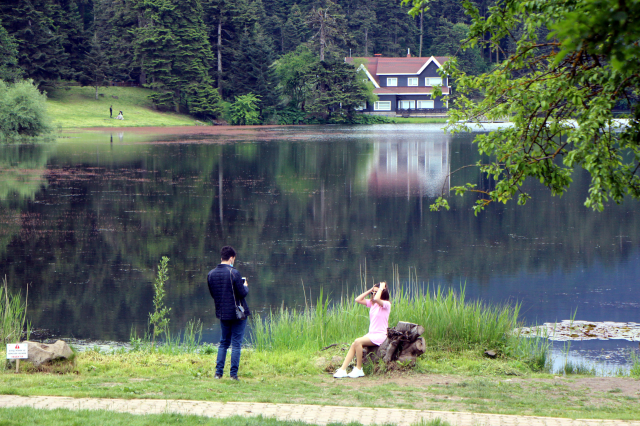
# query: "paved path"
315,414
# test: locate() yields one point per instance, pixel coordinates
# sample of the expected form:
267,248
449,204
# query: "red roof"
377,65
406,90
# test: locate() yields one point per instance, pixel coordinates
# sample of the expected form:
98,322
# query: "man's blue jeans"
232,334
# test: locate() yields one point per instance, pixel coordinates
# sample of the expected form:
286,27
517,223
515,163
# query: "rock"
321,362
114,96
490,354
40,353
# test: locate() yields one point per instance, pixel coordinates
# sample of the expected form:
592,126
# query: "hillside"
77,107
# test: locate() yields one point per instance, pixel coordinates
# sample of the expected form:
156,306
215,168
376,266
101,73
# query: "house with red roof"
405,85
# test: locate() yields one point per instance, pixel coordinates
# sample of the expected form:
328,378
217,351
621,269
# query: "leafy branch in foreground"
567,68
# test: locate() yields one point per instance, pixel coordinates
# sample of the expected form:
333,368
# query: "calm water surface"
86,220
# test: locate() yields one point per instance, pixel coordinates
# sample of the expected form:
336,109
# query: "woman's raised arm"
360,299
377,298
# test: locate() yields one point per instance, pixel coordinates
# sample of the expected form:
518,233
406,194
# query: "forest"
199,56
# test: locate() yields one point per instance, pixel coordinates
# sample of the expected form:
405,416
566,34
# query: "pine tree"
9,70
175,47
96,65
252,67
295,31
41,55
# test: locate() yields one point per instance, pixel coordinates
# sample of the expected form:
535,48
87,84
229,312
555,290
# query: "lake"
85,221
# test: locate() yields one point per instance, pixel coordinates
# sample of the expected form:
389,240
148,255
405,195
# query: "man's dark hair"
227,253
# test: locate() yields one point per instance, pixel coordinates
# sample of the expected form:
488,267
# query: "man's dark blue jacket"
219,280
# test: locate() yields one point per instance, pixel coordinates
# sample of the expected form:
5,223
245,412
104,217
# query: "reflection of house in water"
401,167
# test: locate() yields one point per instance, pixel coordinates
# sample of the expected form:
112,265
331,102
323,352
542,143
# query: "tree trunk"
403,344
421,32
96,92
322,36
220,55
366,42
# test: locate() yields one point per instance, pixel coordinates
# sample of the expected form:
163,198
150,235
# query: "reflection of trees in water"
406,167
295,213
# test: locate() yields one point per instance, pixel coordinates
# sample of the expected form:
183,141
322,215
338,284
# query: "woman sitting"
379,309
120,116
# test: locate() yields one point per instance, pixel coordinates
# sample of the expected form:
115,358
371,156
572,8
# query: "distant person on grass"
229,289
111,111
379,310
120,116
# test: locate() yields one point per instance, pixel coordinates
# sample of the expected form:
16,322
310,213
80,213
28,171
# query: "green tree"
9,70
174,47
252,66
295,30
23,110
337,90
41,55
559,92
291,70
96,66
330,29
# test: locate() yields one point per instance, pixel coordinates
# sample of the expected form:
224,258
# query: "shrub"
23,110
245,110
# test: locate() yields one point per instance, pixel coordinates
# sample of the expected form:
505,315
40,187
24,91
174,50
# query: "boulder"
40,353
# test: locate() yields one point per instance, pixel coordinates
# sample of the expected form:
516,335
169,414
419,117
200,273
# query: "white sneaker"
356,372
340,373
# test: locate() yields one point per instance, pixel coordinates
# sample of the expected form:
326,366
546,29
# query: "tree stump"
403,344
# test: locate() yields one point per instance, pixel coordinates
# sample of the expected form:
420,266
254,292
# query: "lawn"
461,381
76,107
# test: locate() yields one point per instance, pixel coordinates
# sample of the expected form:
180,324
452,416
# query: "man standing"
110,111
228,288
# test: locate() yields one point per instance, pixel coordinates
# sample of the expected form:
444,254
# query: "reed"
451,322
13,315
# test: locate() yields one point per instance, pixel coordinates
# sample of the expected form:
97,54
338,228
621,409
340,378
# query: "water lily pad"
583,330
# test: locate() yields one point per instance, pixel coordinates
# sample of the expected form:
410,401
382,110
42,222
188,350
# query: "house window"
392,81
412,81
407,104
425,105
433,81
382,106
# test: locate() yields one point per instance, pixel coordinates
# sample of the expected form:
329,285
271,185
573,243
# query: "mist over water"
86,220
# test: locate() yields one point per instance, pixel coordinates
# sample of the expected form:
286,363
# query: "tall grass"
451,322
13,315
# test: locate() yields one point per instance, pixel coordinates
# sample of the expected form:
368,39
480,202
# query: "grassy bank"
452,324
74,107
290,365
419,120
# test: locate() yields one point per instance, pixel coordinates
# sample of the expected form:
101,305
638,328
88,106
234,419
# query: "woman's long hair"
385,291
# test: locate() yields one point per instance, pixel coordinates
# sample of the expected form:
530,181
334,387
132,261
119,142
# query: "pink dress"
378,321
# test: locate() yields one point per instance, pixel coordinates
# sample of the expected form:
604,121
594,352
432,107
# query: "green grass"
62,417
418,120
76,107
463,381
451,323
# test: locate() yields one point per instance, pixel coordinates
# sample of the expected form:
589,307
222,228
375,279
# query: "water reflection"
411,168
303,206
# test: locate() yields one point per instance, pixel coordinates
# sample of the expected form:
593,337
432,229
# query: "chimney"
408,52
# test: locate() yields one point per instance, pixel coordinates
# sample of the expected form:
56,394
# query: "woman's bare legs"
356,349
